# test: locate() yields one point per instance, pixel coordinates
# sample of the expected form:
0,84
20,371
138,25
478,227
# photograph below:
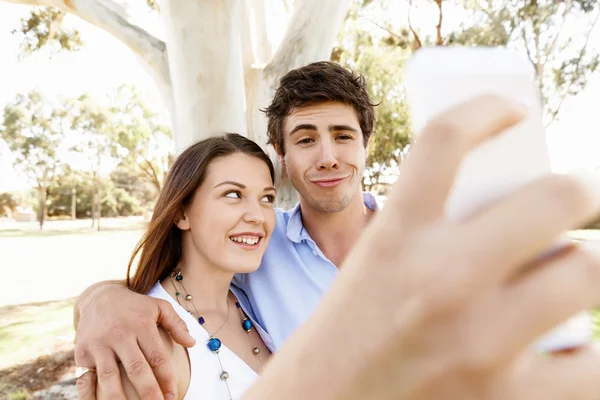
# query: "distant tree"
7,204
33,127
124,177
141,136
92,122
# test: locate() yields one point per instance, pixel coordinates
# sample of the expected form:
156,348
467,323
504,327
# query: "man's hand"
425,308
118,325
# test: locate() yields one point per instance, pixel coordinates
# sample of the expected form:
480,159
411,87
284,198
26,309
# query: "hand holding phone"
440,78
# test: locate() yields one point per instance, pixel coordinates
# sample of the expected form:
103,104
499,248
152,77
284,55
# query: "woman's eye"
305,141
269,198
233,195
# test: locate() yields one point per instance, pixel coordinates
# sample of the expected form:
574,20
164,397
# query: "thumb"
170,321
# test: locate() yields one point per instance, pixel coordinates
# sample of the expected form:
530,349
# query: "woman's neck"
207,284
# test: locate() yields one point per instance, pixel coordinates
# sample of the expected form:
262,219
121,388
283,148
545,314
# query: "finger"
518,228
108,384
138,370
86,386
422,187
568,377
550,294
171,322
159,357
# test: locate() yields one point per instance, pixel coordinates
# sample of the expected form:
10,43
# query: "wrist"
89,296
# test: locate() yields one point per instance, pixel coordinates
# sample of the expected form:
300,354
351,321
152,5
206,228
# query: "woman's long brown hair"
160,247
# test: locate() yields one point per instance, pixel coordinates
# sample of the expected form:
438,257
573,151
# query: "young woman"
213,219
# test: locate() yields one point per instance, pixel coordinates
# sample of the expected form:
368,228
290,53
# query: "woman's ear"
183,222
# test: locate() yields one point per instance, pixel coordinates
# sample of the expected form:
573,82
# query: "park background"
91,92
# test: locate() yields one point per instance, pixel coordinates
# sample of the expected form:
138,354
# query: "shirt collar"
295,229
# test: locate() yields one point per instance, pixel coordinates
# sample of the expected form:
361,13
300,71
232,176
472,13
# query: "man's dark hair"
317,83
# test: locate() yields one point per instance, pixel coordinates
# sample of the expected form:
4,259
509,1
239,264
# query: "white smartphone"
438,78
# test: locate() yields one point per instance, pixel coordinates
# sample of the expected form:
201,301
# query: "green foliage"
7,201
380,56
44,28
114,201
124,177
141,137
33,128
126,133
553,35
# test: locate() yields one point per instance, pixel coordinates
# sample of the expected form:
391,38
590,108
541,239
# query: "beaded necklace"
213,343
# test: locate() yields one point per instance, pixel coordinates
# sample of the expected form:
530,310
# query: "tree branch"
310,34
114,19
526,43
155,179
579,59
552,46
418,43
381,27
438,28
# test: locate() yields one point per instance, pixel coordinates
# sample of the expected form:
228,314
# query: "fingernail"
169,396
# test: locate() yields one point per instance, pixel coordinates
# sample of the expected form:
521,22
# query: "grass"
33,330
42,271
36,341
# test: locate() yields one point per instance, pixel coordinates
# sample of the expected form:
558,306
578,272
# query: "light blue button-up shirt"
293,276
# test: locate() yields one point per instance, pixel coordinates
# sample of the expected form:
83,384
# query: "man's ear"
280,156
183,222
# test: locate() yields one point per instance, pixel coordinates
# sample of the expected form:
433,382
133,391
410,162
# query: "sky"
104,64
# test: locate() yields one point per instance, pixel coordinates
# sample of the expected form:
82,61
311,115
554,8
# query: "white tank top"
205,380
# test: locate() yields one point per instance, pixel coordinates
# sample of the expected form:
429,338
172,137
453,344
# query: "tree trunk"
205,59
42,206
98,206
94,197
73,204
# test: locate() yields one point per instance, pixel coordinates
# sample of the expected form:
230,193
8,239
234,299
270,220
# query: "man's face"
324,154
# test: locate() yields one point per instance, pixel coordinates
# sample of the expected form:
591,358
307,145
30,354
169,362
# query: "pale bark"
42,205
261,44
206,63
114,19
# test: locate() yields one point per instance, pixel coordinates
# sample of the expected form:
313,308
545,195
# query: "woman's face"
230,220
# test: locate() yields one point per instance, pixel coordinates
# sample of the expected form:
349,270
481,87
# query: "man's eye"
234,194
305,141
345,137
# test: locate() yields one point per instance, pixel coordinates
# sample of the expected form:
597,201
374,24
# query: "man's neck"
336,233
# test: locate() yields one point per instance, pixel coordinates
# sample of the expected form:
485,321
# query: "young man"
320,122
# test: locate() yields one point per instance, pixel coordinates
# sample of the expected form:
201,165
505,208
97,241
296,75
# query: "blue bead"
213,344
179,278
247,325
201,321
237,304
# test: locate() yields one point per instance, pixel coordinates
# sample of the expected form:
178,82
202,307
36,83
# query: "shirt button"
314,252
